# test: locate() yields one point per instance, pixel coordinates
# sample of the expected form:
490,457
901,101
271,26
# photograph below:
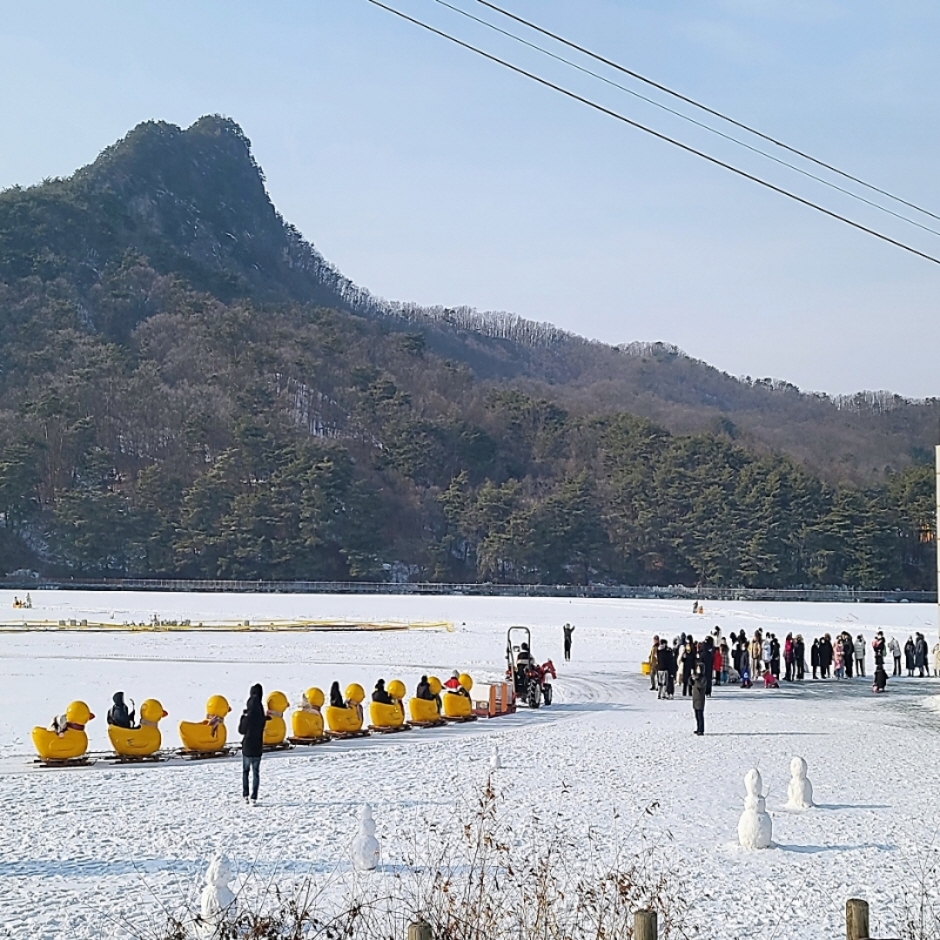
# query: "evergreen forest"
188,389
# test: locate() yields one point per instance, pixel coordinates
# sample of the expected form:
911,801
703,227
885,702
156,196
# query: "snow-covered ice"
88,851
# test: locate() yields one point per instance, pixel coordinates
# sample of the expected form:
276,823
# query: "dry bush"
498,877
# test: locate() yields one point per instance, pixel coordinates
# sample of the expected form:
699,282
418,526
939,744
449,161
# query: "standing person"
775,656
688,666
725,661
766,653
838,663
698,701
756,646
936,659
788,659
920,655
848,654
251,728
860,656
895,649
708,663
568,629
654,662
663,666
717,663
799,657
814,656
825,656
909,657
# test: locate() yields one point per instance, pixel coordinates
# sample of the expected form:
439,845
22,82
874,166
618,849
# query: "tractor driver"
523,657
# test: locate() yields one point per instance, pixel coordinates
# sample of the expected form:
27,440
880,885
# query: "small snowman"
800,790
495,760
755,825
216,903
365,847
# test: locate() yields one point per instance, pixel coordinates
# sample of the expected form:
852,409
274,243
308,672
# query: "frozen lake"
116,841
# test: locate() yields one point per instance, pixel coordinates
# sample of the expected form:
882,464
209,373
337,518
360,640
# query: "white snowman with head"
800,790
365,847
755,827
217,902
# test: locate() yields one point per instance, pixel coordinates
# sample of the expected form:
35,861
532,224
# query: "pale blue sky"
427,174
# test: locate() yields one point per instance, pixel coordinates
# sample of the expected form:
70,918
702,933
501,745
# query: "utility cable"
686,117
703,107
654,133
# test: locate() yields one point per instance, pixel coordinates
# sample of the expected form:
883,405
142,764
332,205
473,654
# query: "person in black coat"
909,656
698,701
814,657
380,695
825,656
568,630
118,713
707,662
423,690
251,728
336,697
799,657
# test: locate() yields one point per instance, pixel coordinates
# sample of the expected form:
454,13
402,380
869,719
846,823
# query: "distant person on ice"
251,728
698,701
568,630
895,649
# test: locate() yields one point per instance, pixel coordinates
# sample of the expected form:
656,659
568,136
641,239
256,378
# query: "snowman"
754,826
216,903
365,847
800,790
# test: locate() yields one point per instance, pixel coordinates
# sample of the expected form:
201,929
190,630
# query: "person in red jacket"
716,659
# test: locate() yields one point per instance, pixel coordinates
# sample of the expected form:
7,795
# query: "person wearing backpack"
251,728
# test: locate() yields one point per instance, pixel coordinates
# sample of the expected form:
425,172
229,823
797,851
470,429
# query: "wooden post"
856,919
645,925
419,930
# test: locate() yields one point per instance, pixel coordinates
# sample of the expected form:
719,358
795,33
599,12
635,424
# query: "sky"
426,173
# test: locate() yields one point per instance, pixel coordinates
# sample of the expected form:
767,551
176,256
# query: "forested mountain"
187,388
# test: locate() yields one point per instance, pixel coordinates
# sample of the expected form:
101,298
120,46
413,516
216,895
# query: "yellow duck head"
314,697
396,689
151,710
78,713
434,684
466,683
217,706
277,702
355,693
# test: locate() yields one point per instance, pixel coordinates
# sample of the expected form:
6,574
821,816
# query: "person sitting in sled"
745,674
453,684
336,697
118,714
423,690
380,695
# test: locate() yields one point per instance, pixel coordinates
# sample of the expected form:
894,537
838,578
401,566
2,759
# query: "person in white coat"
936,659
860,656
895,649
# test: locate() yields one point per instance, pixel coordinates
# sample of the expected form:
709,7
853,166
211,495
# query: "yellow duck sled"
347,722
307,721
139,742
66,740
208,736
426,712
389,718
456,704
275,728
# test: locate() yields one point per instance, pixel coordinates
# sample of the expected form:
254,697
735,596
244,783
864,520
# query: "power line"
702,107
686,117
654,133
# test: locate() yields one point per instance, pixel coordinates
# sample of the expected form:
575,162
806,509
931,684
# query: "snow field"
87,850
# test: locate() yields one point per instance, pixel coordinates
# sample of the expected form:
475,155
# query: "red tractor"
531,681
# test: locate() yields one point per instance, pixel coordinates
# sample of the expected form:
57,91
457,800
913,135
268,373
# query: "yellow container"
645,668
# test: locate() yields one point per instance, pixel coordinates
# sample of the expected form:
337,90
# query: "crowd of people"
741,660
